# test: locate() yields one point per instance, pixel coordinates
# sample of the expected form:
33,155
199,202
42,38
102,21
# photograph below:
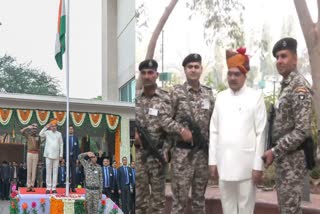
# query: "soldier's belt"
184,145
92,188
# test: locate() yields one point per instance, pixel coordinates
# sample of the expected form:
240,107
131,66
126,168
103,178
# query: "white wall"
126,40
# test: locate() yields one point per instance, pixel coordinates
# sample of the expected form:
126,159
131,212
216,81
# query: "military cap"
148,64
287,43
194,57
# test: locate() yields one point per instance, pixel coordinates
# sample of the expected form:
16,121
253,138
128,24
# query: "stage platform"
30,197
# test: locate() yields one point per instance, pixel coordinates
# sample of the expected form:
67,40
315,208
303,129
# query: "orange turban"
54,121
238,59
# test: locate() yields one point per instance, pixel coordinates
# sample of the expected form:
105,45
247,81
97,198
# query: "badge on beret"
284,43
150,64
302,97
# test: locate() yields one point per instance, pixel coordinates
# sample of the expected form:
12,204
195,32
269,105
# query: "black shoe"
47,191
32,189
54,191
29,189
73,190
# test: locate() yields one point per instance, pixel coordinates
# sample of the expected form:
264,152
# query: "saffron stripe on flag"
60,45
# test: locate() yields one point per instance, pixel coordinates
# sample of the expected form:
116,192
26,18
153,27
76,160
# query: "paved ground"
266,202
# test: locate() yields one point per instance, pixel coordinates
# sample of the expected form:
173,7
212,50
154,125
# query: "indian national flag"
60,46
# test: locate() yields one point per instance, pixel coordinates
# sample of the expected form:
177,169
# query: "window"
128,91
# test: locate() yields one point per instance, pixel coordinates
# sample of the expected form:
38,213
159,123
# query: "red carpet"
23,190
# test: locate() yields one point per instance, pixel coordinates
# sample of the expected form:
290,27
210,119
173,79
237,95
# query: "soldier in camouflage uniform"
153,111
94,181
292,125
191,172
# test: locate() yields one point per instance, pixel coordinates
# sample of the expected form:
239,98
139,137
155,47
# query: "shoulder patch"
301,89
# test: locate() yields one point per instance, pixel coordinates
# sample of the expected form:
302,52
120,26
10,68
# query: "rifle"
200,143
148,144
308,148
271,117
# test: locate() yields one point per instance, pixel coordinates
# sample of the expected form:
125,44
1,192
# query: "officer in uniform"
94,181
153,112
291,127
195,101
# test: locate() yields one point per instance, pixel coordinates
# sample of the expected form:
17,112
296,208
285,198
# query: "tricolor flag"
60,46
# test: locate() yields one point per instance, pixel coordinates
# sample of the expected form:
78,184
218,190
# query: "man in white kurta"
237,138
53,152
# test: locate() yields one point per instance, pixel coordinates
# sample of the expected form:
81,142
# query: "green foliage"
315,173
79,206
224,19
22,78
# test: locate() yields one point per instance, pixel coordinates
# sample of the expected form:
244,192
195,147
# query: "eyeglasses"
193,66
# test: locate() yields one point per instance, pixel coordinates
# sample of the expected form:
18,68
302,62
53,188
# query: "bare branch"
158,29
305,20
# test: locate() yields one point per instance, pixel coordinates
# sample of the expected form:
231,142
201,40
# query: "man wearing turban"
237,138
53,151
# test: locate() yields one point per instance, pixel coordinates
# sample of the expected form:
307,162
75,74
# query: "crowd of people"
116,183
222,136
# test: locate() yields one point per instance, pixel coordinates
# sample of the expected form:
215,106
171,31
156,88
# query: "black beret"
287,43
148,64
191,58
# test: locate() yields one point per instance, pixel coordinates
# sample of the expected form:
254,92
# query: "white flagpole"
67,88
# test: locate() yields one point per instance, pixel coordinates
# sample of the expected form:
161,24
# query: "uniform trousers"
290,173
92,201
32,162
189,173
237,197
150,185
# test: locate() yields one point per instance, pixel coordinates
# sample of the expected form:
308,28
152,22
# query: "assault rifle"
148,144
199,141
308,148
272,115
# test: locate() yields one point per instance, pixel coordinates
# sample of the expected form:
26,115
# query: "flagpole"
67,88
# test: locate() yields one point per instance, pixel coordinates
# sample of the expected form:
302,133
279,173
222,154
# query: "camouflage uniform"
94,183
192,172
157,112
291,126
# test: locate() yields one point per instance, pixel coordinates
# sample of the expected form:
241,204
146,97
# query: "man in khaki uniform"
33,143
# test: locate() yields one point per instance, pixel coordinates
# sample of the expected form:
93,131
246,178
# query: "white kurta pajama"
53,151
236,146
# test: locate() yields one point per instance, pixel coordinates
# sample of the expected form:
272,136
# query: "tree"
223,20
312,37
156,33
22,78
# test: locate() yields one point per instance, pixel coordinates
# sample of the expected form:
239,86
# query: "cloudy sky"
28,32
